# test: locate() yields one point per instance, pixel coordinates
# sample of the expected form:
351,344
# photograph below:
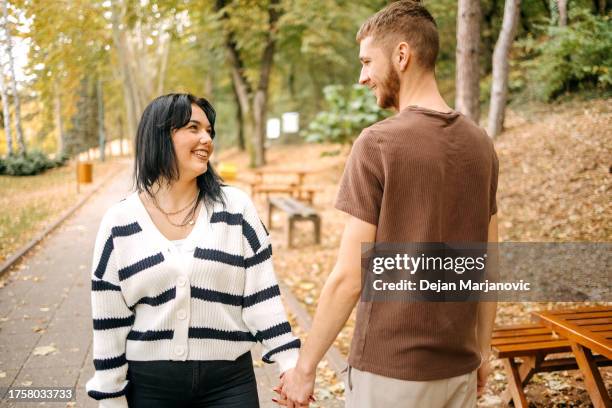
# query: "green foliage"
349,111
31,163
574,57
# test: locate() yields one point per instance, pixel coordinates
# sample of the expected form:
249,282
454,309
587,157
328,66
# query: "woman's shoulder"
235,198
121,212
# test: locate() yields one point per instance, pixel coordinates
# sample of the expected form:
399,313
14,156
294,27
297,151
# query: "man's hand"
297,388
338,298
483,373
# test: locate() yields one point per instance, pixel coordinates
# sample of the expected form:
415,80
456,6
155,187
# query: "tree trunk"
240,84
140,77
242,92
562,4
101,133
120,122
12,79
499,88
124,69
163,64
468,53
260,101
253,104
59,123
239,120
603,6
6,113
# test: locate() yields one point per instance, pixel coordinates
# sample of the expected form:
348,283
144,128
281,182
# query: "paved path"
47,303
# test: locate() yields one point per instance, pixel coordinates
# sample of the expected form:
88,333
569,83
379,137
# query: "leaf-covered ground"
30,203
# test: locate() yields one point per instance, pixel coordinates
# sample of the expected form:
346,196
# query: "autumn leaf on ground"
44,350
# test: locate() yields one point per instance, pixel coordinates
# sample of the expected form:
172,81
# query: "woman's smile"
201,154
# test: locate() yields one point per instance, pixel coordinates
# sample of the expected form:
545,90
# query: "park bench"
531,344
296,211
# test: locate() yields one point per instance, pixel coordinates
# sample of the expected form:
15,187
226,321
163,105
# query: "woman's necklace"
189,219
173,212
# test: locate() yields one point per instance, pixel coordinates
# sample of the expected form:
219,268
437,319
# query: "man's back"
420,176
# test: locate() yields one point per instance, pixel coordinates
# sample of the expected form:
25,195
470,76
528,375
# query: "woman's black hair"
155,158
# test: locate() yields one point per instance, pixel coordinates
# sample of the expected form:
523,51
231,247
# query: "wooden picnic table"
298,174
589,330
289,182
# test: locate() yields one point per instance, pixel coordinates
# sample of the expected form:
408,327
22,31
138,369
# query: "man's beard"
389,90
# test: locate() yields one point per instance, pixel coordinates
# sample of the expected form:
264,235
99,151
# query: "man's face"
378,74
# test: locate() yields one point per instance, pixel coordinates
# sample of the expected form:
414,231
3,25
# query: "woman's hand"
296,389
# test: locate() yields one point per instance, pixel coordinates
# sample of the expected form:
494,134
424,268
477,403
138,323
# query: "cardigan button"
181,281
181,314
179,350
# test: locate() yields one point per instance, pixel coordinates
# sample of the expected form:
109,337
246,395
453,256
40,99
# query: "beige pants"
367,390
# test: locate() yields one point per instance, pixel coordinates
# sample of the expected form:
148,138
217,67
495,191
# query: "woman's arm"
112,321
263,312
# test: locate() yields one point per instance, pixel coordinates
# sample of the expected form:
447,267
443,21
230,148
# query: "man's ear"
404,53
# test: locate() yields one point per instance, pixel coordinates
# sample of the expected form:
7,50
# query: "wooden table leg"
526,370
317,229
515,383
310,197
270,207
289,230
592,378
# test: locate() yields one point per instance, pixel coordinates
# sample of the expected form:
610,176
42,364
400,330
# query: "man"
427,174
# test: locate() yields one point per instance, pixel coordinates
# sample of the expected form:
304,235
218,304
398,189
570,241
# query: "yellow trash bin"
84,172
228,171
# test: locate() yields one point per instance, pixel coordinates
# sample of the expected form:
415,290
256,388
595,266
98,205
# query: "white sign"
273,128
291,122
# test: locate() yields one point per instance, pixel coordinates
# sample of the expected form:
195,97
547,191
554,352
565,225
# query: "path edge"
21,252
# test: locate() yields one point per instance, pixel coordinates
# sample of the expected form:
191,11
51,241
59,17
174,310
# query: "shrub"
576,56
28,164
349,111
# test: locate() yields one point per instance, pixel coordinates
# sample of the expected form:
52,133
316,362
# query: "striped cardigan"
146,306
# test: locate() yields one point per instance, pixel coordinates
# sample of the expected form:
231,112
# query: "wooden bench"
296,211
530,343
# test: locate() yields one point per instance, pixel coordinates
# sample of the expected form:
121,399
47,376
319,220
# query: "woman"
183,283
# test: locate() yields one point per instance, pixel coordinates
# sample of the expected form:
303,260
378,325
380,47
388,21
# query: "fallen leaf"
44,350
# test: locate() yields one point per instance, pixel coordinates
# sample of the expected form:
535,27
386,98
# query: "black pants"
193,384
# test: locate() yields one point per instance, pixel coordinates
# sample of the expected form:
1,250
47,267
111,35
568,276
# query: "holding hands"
296,388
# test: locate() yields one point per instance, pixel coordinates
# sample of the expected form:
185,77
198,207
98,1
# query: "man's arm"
338,297
486,317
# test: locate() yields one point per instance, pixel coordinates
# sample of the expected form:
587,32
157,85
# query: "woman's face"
193,145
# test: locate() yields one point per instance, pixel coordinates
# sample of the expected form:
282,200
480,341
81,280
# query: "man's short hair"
405,20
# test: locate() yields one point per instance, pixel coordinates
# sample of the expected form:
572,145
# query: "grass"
30,203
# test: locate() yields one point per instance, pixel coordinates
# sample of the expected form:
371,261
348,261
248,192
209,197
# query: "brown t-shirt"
420,176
